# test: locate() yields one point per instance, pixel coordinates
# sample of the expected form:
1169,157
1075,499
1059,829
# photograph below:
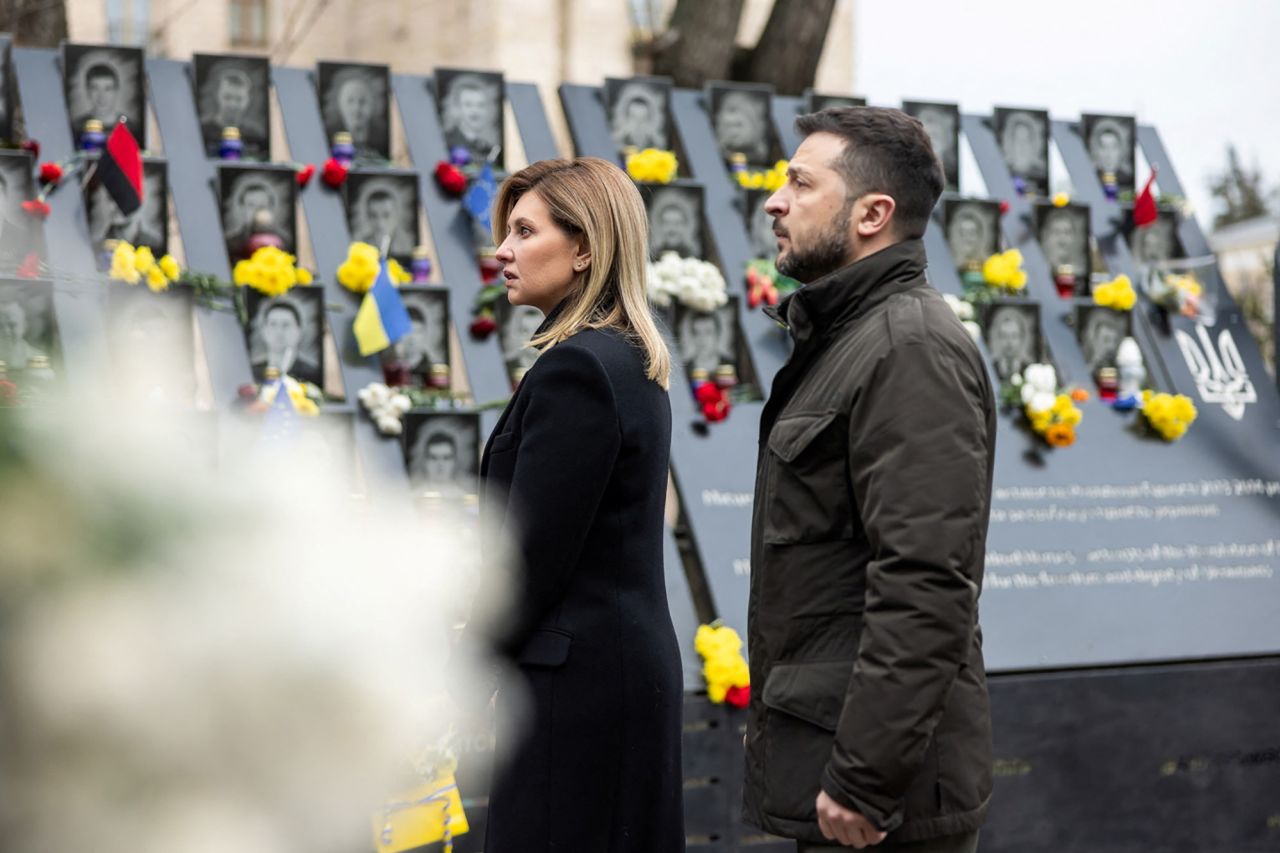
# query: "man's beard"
831,250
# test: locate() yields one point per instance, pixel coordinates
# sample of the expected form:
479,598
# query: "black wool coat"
576,472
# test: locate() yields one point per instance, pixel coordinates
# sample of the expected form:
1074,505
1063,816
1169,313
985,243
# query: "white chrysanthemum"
389,425
1042,401
974,330
400,404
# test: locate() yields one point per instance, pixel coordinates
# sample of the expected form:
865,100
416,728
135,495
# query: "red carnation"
37,207
450,178
483,326
50,173
714,402
706,392
738,697
30,267
334,174
305,174
32,146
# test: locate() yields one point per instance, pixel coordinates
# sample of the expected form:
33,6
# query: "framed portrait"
1158,241
1064,237
1111,142
764,243
28,325
972,227
1023,135
442,453
105,82
470,105
1100,331
382,210
256,199
707,339
356,98
287,332
815,101
151,340
234,91
675,219
1012,332
20,233
740,116
427,343
8,90
639,112
147,226
328,443
516,327
942,123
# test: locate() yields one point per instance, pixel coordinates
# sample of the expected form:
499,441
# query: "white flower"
1041,377
974,330
1015,380
1041,401
400,404
389,425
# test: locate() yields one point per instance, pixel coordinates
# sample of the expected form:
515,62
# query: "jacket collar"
552,316
833,300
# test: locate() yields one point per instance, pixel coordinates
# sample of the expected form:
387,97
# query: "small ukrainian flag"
381,320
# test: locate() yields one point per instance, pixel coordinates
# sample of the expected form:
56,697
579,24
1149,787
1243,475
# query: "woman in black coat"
576,474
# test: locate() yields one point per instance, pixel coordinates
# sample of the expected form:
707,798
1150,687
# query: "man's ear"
874,213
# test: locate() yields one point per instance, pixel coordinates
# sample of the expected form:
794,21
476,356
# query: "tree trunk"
698,43
790,47
34,23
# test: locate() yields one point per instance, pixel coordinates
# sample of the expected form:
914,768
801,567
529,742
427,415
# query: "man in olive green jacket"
869,722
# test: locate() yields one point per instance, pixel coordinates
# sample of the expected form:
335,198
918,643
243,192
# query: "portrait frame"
1090,322
399,189
250,73
942,123
1093,128
817,101
464,121
698,345
147,226
1163,231
371,134
754,135
1079,261
461,430
686,236
428,342
20,233
151,341
28,323
94,73
308,312
236,211
1026,156
655,94
1012,334
516,325
759,225
956,211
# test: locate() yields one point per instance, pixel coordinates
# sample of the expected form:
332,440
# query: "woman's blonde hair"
593,199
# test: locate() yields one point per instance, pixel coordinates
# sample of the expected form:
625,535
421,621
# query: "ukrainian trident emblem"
1219,372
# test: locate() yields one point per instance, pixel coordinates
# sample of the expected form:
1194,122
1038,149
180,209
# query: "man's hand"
845,825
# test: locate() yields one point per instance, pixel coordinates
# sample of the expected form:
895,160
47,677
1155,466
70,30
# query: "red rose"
755,294
716,412
30,267
483,326
305,174
450,178
707,392
738,697
50,173
247,392
32,146
1004,206
334,174
37,207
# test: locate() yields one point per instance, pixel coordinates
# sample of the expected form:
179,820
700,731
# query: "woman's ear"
582,259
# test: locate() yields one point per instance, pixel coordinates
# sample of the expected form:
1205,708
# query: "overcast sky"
1204,74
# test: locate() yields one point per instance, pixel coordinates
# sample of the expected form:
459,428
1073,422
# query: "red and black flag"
120,169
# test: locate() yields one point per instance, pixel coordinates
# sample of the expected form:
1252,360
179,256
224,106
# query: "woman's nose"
504,253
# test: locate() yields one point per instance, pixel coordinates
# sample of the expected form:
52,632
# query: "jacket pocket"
804,702
546,647
808,490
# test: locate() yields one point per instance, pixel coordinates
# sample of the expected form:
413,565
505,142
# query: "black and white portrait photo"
234,91
1064,237
942,124
740,118
27,325
1157,241
442,452
152,342
1023,135
764,243
675,220
516,325
1101,330
105,82
7,90
147,226
639,112
973,230
257,199
382,210
1111,140
286,332
707,339
427,342
1013,336
470,104
20,233
814,101
356,98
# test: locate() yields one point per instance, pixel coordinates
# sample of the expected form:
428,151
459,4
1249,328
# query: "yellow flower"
144,259
652,166
244,272
359,270
1072,416
124,265
1004,270
304,276
156,279
1117,294
1061,199
1170,415
170,267
1060,435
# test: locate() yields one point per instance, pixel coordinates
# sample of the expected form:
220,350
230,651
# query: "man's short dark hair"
101,69
283,306
886,151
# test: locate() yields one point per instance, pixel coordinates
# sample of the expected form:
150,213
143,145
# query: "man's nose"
776,205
